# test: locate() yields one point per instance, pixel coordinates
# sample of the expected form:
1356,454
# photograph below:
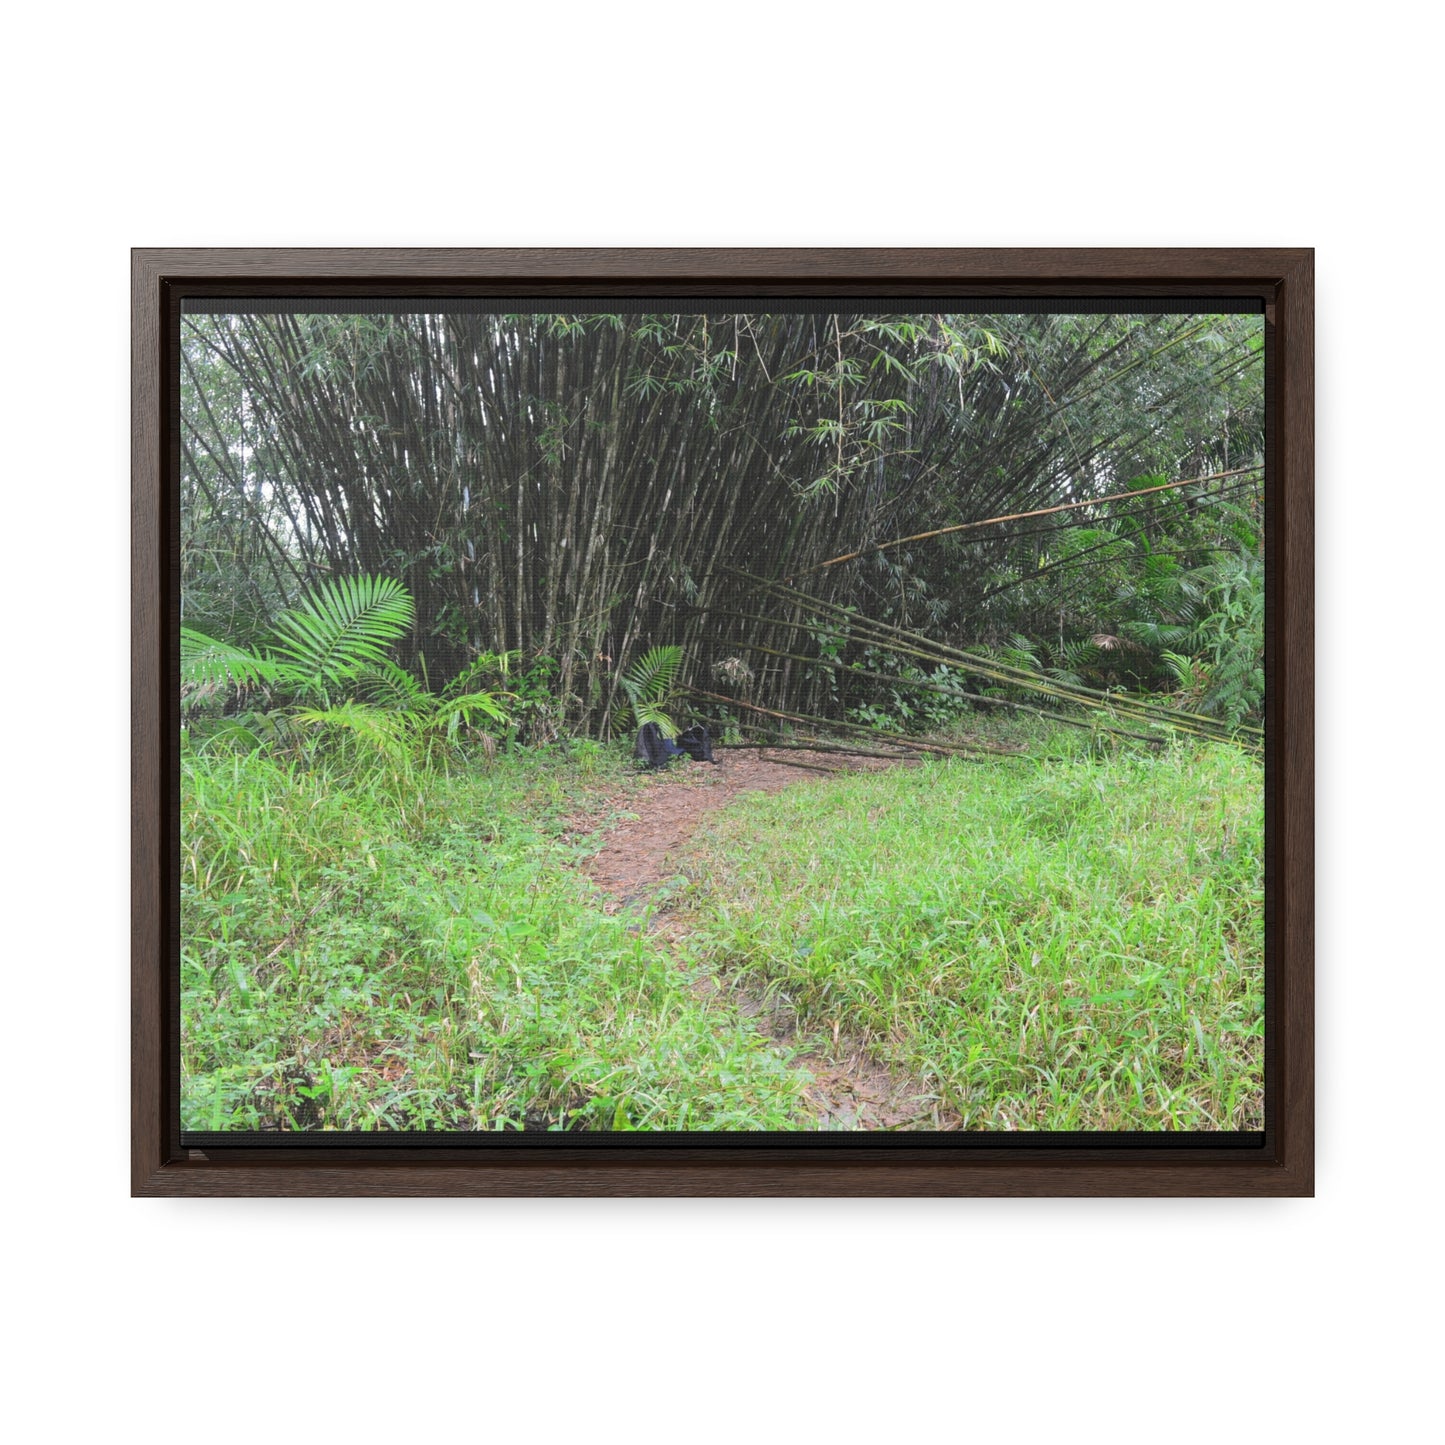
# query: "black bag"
654,749
696,744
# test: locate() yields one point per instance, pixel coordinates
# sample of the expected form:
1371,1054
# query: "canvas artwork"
705,718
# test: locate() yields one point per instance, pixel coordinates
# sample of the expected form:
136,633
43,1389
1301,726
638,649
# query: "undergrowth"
1067,939
355,961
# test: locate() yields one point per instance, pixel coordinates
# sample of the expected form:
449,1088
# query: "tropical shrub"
325,670
649,686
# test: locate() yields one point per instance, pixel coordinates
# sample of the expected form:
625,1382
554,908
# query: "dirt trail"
641,854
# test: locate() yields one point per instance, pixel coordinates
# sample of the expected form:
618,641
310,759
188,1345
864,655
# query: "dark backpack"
654,749
696,744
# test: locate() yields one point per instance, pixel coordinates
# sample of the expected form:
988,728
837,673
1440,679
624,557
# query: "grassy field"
1075,944
1070,943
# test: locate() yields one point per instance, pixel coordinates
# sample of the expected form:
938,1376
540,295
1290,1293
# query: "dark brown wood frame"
1282,279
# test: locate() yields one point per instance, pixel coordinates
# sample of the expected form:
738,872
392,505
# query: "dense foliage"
572,491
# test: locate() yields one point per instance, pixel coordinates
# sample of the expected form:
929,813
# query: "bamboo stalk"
1016,517
816,746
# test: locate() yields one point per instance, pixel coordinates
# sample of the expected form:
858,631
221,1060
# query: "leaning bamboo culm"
901,640
1019,517
921,685
1171,715
1108,704
795,743
930,746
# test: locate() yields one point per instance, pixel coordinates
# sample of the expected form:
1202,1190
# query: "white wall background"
750,124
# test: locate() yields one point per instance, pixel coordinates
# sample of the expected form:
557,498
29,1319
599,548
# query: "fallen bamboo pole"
811,767
816,746
944,749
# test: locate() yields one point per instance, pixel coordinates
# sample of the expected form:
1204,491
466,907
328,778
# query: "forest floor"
645,854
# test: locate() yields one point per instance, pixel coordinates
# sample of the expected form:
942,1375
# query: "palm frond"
342,624
488,665
377,729
647,712
205,662
457,711
229,733
651,676
388,685
648,684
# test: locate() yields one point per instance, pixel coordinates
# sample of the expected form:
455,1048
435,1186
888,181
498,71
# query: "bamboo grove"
793,498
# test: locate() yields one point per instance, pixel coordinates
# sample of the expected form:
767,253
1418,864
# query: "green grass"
420,957
1063,944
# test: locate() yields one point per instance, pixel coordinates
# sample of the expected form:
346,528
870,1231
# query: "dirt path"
643,853
640,855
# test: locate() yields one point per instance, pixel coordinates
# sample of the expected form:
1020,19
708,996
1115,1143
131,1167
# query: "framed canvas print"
787,722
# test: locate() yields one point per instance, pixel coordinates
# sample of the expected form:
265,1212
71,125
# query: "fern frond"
1183,669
